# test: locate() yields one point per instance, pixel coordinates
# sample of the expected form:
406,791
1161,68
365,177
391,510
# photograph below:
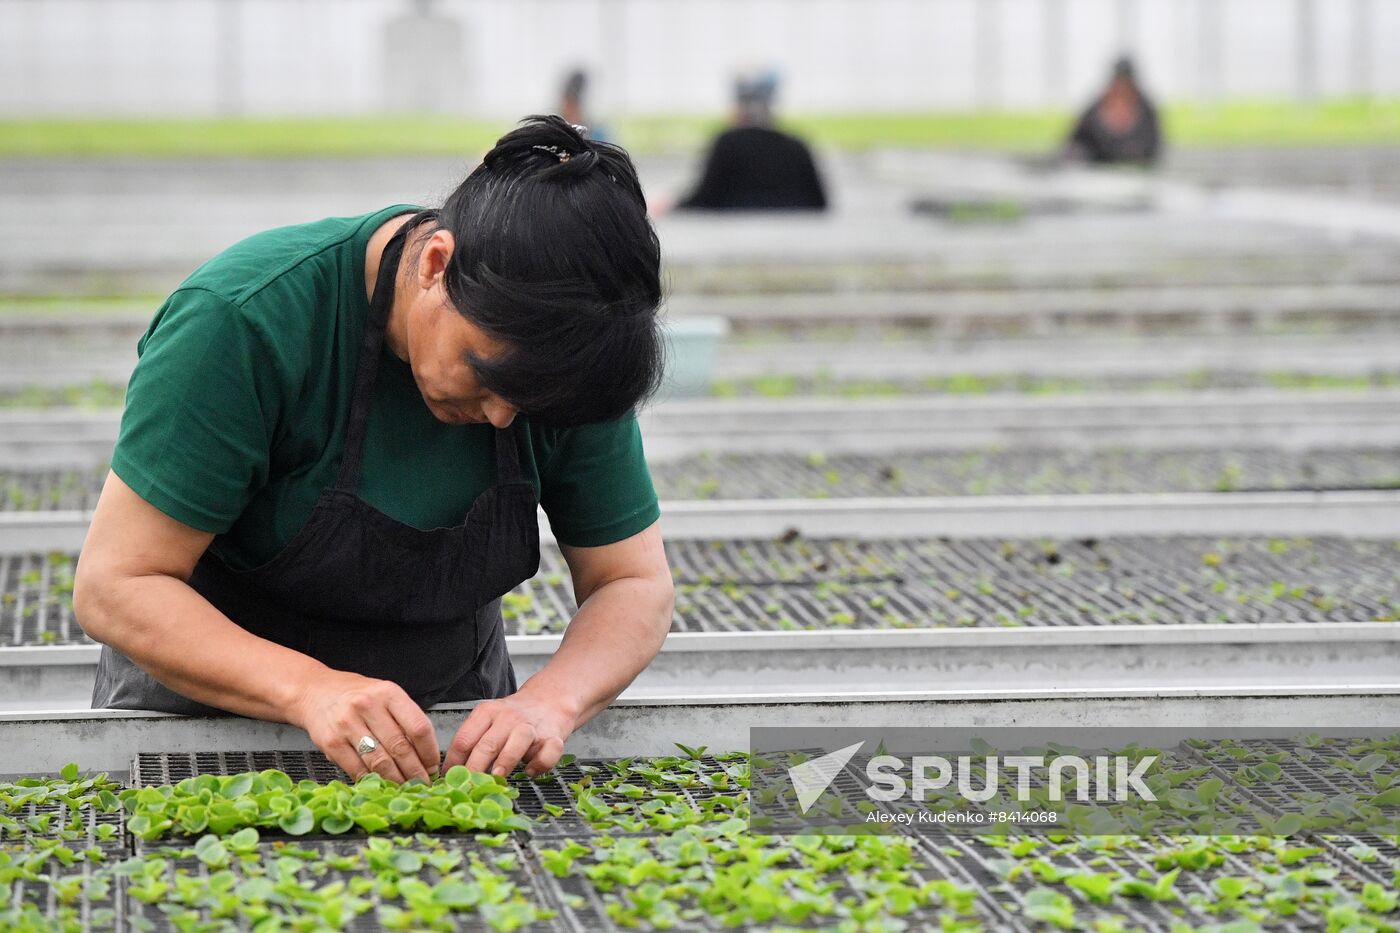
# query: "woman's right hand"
339,708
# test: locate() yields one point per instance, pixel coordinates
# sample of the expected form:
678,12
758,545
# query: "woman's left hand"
499,734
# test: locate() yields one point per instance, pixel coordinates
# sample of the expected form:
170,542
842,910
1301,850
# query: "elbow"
92,599
666,596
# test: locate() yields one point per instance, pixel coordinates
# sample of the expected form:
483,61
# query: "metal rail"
44,740
736,663
1258,514
995,472
1100,364
848,353
57,437
1207,419
1217,308
43,532
1269,514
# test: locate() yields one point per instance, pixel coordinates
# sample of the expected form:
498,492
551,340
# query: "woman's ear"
434,257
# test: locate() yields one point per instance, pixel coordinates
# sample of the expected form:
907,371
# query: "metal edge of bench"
1358,513
36,741
759,642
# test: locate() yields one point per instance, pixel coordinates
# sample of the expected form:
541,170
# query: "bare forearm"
613,637
189,646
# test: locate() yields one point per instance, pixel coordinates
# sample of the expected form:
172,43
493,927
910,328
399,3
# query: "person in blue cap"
755,166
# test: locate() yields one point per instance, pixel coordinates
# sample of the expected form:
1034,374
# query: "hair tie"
563,155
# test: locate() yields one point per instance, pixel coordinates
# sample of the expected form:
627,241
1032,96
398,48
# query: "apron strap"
507,455
367,364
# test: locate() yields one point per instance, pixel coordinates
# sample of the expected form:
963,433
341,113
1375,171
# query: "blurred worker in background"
1121,126
571,106
754,166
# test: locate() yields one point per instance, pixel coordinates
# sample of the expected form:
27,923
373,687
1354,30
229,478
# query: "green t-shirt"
237,411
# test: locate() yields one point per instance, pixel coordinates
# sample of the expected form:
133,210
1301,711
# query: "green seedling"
460,800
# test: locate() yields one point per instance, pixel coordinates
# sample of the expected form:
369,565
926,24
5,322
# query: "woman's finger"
518,742
464,742
392,742
419,729
489,745
379,761
544,755
346,759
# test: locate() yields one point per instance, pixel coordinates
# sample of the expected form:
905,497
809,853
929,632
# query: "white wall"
170,57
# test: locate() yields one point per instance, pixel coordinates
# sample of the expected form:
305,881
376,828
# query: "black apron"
363,592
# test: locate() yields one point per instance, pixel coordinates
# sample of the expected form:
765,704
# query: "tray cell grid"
91,906
36,600
1289,776
585,906
695,782
42,490
798,584
521,872
1129,857
157,768
60,815
1022,472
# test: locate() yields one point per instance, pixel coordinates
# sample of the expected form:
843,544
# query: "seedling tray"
1289,776
977,873
833,584
36,600
93,911
39,490
60,814
912,473
536,801
869,381
585,906
988,866
152,769
538,797
520,871
1022,472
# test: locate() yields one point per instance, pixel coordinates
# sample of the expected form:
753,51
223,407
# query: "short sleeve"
201,412
595,486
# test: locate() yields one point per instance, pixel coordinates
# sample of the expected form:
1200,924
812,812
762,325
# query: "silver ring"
367,745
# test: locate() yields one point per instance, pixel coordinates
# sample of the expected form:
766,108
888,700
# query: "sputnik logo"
811,778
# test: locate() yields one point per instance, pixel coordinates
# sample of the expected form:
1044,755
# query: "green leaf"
1296,854
457,895
245,840
1377,899
298,822
371,822
69,771
237,785
276,780
1050,906
408,862
1207,791
1097,887
1389,798
211,851
335,825
1370,763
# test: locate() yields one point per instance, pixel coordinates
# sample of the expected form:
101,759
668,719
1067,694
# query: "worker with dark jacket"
1121,126
754,166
